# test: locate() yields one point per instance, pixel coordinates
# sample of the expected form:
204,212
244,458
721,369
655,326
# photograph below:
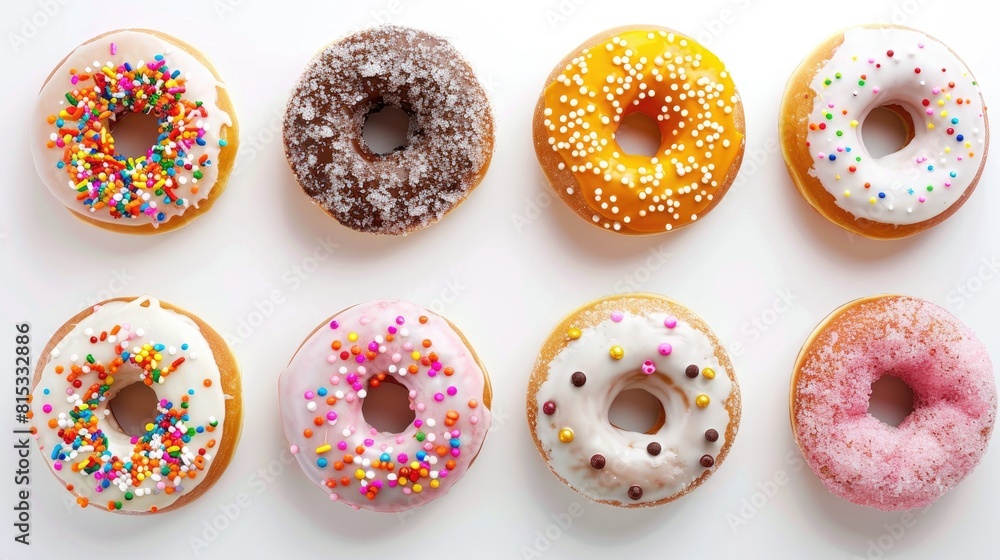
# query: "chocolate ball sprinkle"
598,461
549,408
712,435
707,461
635,492
578,379
692,371
654,449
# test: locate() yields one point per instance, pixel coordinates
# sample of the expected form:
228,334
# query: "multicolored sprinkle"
361,350
130,187
924,81
160,459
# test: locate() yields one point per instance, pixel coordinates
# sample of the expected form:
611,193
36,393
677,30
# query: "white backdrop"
762,269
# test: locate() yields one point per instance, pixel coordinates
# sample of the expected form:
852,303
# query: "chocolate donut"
449,140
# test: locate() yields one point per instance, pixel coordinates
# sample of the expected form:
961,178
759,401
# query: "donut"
922,81
189,437
671,79
857,456
112,77
324,387
633,341
449,139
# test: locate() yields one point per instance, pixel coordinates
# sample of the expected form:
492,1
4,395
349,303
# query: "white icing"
585,409
316,366
903,177
153,325
132,47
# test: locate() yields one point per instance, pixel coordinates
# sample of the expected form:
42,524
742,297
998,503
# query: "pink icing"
324,387
954,398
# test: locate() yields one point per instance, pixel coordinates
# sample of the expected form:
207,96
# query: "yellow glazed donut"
671,79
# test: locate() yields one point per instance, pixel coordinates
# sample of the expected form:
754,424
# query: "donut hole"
636,410
386,130
639,135
886,130
891,400
134,134
387,407
133,407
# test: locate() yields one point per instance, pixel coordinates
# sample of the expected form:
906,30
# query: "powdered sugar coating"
954,398
450,136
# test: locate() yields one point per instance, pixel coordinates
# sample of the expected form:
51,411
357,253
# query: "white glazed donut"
633,341
107,79
824,109
323,389
191,438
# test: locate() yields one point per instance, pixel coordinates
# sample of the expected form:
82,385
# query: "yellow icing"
676,82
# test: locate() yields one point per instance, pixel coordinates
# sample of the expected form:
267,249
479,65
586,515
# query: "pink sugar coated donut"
864,460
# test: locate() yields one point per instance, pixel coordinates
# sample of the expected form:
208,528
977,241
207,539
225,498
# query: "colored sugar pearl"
566,435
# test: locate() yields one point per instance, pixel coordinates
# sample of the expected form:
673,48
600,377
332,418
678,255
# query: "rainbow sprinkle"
130,187
160,460
365,464
934,90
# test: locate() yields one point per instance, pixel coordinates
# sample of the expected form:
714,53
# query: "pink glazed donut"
857,456
322,391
